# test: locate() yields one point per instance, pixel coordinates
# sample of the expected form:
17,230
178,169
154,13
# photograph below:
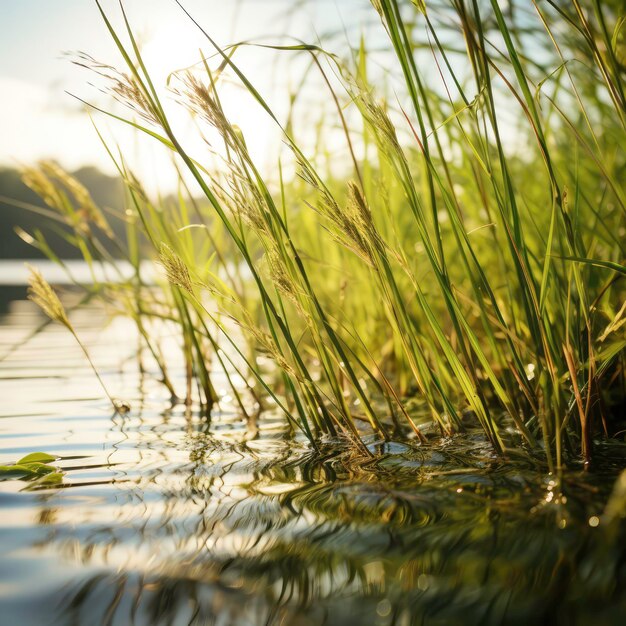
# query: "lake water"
14,272
166,517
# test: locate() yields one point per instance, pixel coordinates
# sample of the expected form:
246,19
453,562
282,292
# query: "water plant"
44,296
34,468
469,267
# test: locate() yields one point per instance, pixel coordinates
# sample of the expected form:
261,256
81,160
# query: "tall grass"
471,267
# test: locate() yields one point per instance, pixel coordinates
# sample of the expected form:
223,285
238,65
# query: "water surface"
165,517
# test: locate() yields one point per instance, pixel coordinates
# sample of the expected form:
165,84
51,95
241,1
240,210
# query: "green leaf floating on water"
13,471
37,457
33,467
45,480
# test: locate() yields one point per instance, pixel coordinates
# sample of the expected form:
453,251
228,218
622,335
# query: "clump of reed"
470,268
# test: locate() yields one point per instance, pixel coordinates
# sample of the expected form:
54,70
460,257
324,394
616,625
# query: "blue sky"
33,32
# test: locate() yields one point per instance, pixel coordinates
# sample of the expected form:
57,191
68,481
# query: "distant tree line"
106,191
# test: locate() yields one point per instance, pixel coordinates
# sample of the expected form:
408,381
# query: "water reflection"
268,535
165,519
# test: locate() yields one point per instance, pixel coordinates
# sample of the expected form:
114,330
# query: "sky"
38,119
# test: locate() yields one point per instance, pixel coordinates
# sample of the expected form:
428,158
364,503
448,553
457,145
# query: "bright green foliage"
33,468
471,265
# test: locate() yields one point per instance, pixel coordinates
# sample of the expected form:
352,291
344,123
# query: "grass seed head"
42,294
123,87
247,202
35,179
280,277
176,270
200,99
361,217
379,120
264,342
67,195
354,228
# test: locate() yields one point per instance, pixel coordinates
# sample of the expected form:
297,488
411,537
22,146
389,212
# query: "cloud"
34,124
39,122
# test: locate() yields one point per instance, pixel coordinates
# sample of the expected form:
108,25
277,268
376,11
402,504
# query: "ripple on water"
165,517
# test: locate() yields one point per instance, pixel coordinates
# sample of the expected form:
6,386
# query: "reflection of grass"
315,538
472,261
